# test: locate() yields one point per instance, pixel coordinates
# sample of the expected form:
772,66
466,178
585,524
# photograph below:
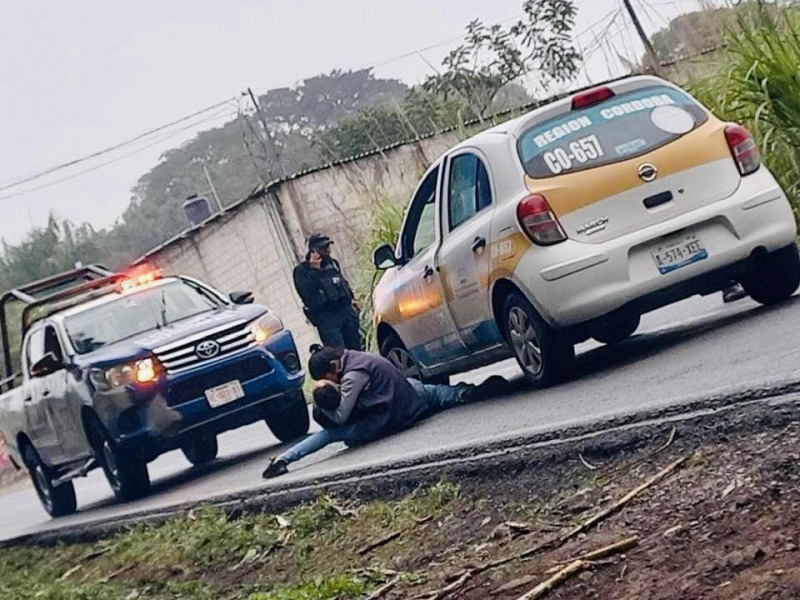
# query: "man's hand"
315,260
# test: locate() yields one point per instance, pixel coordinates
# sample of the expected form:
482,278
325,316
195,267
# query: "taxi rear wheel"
615,331
545,355
775,278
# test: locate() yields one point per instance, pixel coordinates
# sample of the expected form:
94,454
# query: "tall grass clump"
756,82
384,228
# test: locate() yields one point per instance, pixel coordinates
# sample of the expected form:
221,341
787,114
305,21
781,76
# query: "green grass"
384,228
338,588
309,552
756,82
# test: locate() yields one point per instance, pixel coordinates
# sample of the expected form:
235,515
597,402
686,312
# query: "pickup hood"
142,345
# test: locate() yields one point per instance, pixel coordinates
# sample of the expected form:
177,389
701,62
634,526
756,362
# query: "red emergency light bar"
138,278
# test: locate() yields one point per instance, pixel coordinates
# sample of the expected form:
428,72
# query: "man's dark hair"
327,396
319,364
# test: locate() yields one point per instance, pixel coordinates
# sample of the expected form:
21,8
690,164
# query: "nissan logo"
207,349
647,172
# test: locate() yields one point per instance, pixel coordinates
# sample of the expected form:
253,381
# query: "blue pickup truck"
117,369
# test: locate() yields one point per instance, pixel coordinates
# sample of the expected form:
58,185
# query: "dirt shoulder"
701,509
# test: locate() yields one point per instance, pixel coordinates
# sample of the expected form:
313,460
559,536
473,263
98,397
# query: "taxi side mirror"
383,258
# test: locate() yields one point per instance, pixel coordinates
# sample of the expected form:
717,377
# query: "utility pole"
213,189
651,52
273,154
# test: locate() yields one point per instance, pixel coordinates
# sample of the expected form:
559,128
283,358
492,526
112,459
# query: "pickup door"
51,413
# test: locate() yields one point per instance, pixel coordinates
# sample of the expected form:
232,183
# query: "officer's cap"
319,240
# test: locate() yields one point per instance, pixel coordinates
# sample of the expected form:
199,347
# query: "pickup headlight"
141,371
265,327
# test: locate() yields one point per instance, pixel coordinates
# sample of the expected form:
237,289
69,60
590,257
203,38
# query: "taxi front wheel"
545,355
395,351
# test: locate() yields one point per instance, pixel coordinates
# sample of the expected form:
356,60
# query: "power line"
163,138
12,183
118,146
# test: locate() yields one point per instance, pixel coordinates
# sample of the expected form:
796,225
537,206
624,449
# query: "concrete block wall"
243,250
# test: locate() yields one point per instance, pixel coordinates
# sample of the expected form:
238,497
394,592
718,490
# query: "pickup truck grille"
194,388
210,345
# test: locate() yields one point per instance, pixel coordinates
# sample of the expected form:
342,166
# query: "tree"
491,58
321,101
381,125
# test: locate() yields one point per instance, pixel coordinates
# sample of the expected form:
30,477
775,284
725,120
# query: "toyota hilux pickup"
117,369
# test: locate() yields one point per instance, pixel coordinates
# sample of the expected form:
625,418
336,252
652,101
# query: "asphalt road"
680,353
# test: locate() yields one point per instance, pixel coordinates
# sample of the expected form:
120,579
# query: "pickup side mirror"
241,297
46,365
383,258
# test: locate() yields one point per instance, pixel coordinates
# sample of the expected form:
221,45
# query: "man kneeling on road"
362,397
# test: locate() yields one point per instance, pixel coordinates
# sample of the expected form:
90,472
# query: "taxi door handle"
479,243
45,393
428,272
28,399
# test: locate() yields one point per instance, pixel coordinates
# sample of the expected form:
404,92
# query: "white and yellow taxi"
572,221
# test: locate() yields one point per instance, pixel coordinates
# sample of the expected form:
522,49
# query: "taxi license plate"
224,394
679,252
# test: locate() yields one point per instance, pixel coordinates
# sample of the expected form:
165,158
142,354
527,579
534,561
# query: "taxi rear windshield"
621,127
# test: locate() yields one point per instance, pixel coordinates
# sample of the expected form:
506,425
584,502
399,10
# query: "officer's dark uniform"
328,299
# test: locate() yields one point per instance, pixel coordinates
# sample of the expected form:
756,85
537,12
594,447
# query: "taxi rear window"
621,127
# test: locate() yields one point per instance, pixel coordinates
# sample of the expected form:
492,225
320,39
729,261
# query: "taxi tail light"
591,97
743,149
539,221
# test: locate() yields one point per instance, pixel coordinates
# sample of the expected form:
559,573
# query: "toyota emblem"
647,172
207,349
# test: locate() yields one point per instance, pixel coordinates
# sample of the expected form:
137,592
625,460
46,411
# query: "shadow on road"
173,482
639,347
602,359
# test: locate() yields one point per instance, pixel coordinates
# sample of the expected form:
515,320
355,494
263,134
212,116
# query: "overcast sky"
79,76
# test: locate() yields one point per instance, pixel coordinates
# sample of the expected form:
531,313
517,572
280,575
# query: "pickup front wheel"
288,418
201,450
57,501
127,476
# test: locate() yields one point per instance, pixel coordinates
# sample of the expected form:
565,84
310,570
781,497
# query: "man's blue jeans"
437,397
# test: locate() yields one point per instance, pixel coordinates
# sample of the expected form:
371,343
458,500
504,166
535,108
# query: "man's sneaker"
733,293
276,468
467,393
493,386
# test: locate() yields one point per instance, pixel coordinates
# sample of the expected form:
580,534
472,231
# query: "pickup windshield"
135,313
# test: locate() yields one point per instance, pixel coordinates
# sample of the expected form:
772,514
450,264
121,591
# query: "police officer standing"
328,300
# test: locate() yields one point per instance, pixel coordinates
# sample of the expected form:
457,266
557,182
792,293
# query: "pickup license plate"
224,394
679,252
